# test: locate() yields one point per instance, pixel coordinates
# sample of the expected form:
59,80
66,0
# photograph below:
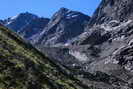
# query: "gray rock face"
110,13
108,10
94,36
60,54
64,25
103,53
33,28
103,65
115,56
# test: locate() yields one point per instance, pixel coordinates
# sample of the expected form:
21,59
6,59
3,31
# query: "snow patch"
9,22
74,16
67,44
68,11
14,17
71,15
78,55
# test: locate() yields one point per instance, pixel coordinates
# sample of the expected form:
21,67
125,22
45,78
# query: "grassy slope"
23,67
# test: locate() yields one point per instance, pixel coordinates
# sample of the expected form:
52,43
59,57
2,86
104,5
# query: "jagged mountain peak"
22,15
121,10
28,14
63,9
19,21
67,13
26,24
63,26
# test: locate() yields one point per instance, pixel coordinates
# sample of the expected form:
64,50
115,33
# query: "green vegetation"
24,67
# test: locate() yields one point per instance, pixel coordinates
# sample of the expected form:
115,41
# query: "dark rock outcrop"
34,27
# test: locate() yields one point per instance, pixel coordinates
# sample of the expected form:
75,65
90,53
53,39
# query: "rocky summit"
63,26
19,21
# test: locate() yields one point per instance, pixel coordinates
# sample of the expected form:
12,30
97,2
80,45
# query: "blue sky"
45,8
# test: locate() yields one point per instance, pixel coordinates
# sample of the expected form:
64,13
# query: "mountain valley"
96,50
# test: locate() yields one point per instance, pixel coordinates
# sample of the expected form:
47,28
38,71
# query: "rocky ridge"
63,26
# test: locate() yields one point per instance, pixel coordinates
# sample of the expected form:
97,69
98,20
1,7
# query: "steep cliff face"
64,25
109,14
120,10
110,30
